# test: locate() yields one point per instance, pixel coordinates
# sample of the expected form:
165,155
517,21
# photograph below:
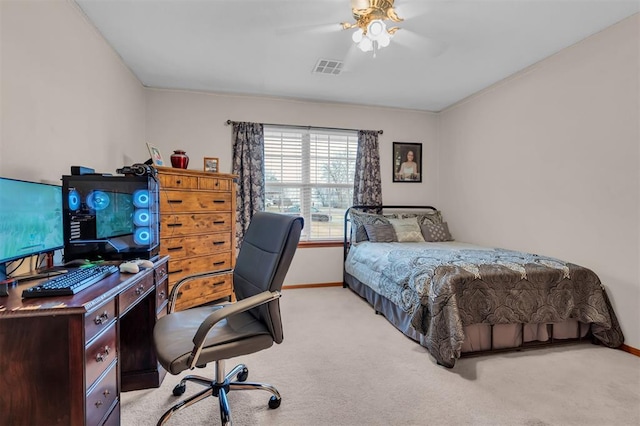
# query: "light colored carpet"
340,364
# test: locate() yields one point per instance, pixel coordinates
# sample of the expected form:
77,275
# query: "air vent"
328,66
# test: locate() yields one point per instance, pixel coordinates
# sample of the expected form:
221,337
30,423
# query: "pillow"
359,219
407,230
432,216
434,232
380,233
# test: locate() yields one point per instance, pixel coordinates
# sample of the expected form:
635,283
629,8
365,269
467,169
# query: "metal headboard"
378,210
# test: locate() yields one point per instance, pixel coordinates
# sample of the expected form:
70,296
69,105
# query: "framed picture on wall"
407,162
156,156
211,164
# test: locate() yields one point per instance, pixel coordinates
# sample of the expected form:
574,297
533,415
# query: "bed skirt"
479,338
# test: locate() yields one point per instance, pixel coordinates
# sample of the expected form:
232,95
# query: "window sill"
319,244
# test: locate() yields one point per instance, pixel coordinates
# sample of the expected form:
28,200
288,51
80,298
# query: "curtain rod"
229,122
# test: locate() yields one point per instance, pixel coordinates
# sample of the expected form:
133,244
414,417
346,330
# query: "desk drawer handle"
219,201
178,182
217,243
161,273
174,201
174,248
102,356
218,222
106,393
98,403
219,263
101,318
140,290
173,225
162,294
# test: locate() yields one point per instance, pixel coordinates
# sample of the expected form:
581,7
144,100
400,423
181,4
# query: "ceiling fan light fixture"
357,36
376,29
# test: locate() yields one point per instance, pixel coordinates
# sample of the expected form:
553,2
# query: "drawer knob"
98,403
162,294
103,355
140,290
178,181
106,393
101,318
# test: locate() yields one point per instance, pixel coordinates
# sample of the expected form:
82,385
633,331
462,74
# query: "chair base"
219,388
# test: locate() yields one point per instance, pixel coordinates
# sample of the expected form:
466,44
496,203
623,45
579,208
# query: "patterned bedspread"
444,287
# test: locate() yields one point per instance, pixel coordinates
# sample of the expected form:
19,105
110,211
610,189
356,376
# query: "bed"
459,299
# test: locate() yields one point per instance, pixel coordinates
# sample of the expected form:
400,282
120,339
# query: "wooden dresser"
197,231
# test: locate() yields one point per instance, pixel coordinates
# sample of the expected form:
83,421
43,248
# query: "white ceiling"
445,51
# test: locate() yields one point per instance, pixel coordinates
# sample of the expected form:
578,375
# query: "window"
309,172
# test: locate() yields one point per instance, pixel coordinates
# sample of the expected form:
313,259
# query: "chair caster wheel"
243,375
179,389
274,402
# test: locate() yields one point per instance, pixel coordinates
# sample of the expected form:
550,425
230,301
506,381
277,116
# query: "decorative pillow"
407,230
425,217
359,219
380,233
434,232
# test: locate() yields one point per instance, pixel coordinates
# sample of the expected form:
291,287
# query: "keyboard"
71,283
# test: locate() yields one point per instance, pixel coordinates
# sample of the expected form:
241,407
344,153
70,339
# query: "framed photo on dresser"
407,162
211,164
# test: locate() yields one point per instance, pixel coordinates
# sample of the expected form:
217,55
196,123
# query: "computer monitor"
30,220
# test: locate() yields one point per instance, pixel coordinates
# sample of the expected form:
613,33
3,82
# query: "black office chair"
213,333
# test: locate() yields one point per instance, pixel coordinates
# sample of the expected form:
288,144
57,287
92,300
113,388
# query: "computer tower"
109,217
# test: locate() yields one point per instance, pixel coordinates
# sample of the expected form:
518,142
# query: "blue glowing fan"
98,200
74,200
142,236
141,198
141,217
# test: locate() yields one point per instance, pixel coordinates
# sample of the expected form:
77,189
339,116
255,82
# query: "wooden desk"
64,360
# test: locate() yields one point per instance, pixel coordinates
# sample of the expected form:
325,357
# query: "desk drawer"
197,245
176,225
214,183
99,319
99,355
196,201
162,295
160,272
102,397
137,291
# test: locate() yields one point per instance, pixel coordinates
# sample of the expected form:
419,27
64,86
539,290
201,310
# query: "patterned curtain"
367,184
248,164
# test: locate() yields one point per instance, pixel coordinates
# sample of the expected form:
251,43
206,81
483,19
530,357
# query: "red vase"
179,159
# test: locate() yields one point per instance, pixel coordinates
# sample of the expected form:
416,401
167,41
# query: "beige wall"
548,161
195,122
67,99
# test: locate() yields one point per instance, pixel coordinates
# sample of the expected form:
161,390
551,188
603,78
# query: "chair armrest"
225,312
176,288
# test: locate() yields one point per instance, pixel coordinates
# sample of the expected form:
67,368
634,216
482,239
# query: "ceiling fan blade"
324,28
419,43
353,58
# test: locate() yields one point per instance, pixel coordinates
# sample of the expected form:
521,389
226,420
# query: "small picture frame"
156,155
407,162
211,164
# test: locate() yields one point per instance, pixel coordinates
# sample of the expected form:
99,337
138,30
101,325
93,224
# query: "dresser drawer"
174,225
102,397
197,245
99,354
179,268
99,319
198,292
160,272
195,201
137,291
215,184
180,182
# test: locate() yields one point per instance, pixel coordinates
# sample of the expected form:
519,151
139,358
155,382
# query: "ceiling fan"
372,32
